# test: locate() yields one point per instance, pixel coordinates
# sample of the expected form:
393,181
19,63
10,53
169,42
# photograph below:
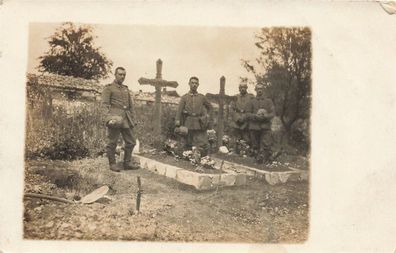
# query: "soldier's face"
120,76
243,90
259,91
193,85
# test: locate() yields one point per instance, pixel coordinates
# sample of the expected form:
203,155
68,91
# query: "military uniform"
260,127
117,100
239,119
195,113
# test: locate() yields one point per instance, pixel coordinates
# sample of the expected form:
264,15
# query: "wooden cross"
158,83
220,99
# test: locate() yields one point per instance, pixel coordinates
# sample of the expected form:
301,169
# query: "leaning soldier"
261,111
239,117
195,113
120,118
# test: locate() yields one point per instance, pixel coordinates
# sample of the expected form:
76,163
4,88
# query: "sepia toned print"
167,133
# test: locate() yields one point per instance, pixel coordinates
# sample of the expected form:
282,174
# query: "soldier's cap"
243,84
259,86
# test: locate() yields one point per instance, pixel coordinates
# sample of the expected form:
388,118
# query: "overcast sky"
206,52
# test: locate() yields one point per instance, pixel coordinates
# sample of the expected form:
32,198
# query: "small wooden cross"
158,83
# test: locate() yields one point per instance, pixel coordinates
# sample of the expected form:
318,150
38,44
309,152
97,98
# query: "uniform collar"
118,85
192,94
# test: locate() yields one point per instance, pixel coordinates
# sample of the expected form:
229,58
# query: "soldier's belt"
240,110
121,107
193,114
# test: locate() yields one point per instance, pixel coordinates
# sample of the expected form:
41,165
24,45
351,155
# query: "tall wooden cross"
220,99
220,121
158,83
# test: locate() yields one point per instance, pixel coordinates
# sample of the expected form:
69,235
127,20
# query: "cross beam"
158,83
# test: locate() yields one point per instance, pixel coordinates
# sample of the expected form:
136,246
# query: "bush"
65,135
145,127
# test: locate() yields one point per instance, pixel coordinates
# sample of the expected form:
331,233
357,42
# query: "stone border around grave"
200,181
272,177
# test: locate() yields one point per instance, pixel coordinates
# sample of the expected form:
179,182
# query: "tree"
284,65
72,53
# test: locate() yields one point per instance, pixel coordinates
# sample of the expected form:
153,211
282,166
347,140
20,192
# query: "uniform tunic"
260,103
239,120
117,100
238,110
195,113
260,129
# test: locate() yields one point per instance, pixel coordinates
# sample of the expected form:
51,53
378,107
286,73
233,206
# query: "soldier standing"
120,118
261,111
239,117
195,113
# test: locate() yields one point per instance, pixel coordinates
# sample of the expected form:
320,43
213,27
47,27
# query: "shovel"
88,199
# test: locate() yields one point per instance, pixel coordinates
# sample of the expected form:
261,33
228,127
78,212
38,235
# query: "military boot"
128,164
112,160
113,167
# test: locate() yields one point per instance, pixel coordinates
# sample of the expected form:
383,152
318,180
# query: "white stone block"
215,179
272,178
240,179
187,177
227,179
171,171
283,177
204,182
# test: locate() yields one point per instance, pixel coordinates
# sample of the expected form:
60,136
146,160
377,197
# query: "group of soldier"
251,120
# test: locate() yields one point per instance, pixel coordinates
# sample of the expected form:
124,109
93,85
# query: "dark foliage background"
73,53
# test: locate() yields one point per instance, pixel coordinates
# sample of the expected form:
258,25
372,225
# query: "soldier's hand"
241,119
177,123
111,122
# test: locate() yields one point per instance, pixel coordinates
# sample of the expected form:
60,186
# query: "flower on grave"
172,144
243,147
192,155
196,159
171,148
207,162
187,154
211,135
226,140
199,168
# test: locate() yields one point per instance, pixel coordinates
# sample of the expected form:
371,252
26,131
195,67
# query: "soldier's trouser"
112,137
199,139
261,142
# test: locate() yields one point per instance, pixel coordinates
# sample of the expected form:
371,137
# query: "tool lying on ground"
90,198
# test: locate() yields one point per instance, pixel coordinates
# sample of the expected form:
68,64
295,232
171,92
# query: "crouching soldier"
195,113
261,112
120,118
239,117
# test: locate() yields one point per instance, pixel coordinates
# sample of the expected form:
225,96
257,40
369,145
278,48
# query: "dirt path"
170,211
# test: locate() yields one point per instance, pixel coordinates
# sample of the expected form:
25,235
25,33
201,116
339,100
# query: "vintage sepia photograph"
168,133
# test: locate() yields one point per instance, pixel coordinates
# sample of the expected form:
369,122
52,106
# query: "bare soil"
170,211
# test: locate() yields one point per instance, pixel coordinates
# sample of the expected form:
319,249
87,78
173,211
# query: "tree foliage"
284,65
72,53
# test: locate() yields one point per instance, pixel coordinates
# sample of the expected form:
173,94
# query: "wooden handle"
43,196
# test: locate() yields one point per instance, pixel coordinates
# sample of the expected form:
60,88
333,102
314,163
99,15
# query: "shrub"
65,134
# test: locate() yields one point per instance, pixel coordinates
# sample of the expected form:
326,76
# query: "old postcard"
163,126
